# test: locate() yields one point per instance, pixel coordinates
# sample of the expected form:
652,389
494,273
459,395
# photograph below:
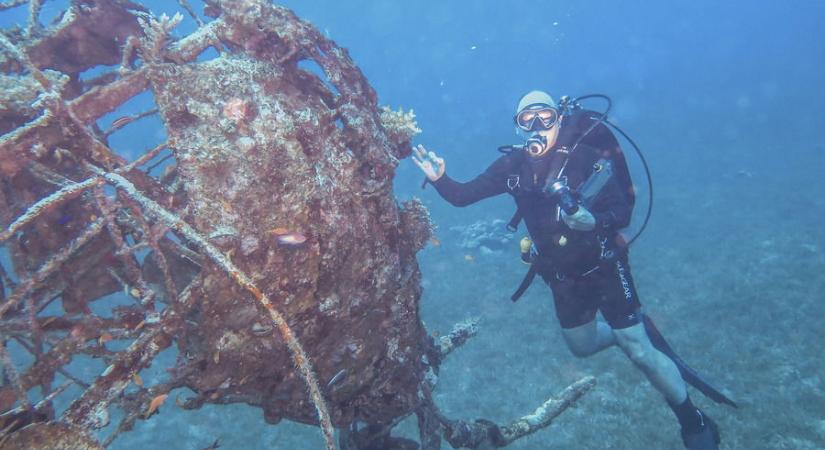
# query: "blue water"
725,100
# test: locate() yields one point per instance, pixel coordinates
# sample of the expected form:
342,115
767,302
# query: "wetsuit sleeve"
491,182
612,209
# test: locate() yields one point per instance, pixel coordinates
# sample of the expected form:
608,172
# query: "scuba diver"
572,189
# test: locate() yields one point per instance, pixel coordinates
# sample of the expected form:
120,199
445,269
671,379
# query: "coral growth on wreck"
270,252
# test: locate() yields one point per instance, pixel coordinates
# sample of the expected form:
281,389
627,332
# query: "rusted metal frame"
298,354
26,62
47,175
188,48
34,326
59,370
5,280
135,406
151,237
85,109
51,324
457,337
39,405
544,414
135,277
104,99
110,384
105,156
69,192
28,285
80,111
484,434
188,8
132,43
44,368
33,24
14,376
12,4
355,95
47,203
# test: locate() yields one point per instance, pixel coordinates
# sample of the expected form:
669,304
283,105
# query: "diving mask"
535,117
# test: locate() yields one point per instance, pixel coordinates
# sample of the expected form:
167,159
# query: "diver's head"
537,120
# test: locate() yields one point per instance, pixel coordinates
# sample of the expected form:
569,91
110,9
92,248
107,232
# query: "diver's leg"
576,313
699,432
659,369
589,339
621,310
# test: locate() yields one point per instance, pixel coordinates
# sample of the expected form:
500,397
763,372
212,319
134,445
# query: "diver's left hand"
581,220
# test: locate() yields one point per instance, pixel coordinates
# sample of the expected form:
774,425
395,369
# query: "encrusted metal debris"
267,248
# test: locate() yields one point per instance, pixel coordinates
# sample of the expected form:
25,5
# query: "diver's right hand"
428,162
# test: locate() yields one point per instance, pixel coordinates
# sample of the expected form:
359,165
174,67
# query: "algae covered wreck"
261,240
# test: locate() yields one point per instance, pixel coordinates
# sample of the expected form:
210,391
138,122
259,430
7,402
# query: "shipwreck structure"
261,239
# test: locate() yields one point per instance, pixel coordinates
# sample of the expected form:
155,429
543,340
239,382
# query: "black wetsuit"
576,264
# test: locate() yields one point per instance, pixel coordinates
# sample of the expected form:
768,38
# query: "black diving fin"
690,375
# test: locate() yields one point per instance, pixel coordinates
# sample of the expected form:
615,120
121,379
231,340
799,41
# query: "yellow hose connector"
525,244
526,250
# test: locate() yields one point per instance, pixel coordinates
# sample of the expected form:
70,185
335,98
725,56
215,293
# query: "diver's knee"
637,351
581,340
579,345
638,354
580,351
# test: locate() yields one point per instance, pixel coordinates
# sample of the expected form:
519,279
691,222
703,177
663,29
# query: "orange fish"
138,380
469,258
292,239
154,405
435,242
104,338
279,231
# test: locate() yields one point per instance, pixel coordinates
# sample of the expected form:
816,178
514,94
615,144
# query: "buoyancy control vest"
585,133
581,128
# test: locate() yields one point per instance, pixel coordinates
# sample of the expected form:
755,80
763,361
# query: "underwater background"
725,100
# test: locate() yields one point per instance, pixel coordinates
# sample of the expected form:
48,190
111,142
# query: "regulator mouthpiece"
536,144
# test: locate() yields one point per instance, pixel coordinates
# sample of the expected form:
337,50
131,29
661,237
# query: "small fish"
292,239
137,380
154,405
279,231
104,338
435,242
214,445
122,121
469,258
337,378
